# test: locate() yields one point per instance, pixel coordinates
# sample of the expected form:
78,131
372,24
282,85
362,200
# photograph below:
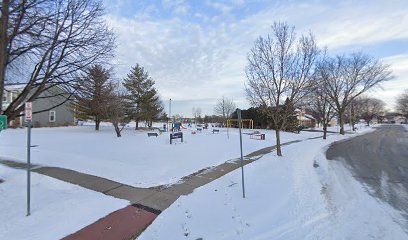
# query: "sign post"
240,144
28,118
3,122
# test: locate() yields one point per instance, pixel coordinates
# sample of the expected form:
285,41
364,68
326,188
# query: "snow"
286,198
57,208
133,159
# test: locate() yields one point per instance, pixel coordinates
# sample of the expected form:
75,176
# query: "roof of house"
14,86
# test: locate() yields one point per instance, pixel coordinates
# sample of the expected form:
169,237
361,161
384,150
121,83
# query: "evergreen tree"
143,102
292,123
93,95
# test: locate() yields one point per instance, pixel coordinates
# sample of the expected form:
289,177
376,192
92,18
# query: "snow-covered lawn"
134,159
57,208
286,198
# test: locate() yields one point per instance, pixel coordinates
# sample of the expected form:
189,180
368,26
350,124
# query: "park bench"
152,134
257,136
215,131
199,129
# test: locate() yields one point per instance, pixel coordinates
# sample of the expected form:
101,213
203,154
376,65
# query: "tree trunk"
10,117
341,123
117,129
324,130
368,123
97,123
3,47
278,145
137,124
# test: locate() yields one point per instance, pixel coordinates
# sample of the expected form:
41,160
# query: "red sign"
28,111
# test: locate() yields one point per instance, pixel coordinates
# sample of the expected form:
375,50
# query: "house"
49,108
393,117
305,119
10,94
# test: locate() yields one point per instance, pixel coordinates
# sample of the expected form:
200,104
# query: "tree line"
102,99
284,70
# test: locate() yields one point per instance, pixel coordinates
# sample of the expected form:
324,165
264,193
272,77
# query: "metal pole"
240,144
168,127
227,131
28,166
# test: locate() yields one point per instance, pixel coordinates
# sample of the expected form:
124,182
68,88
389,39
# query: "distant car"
79,122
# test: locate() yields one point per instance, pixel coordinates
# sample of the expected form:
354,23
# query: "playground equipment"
249,121
176,127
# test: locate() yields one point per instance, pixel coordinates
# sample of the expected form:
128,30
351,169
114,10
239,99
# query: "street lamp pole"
169,114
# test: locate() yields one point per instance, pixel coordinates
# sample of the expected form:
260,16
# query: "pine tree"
92,97
143,102
292,123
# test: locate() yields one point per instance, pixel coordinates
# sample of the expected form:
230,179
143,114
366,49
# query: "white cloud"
178,7
186,61
181,10
391,89
191,61
224,8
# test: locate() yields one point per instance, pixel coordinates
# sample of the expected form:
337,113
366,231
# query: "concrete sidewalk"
146,203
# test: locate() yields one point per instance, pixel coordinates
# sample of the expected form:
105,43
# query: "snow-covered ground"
286,198
135,158
57,208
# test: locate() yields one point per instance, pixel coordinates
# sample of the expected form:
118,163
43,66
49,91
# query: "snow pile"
57,208
134,159
287,198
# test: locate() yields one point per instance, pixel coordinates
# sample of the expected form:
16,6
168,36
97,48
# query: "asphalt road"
379,160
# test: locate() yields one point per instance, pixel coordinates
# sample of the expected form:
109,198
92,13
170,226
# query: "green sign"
3,122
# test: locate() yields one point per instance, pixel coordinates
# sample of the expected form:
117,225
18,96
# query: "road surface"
379,159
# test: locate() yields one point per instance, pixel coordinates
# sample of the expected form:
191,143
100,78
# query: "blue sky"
196,50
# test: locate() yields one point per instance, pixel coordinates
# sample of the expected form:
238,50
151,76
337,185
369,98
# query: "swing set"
249,123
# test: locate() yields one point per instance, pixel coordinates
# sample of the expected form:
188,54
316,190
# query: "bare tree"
196,113
278,73
116,113
402,104
56,40
320,104
347,77
367,108
4,19
224,107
